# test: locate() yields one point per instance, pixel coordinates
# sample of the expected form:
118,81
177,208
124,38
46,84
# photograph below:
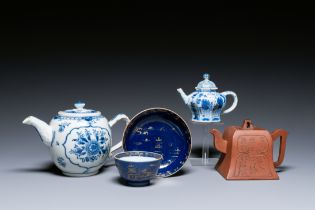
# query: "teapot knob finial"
206,76
79,105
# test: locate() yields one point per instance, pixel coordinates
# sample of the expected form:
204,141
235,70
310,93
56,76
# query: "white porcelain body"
79,145
207,106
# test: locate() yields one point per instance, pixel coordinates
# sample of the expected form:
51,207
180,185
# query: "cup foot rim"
137,183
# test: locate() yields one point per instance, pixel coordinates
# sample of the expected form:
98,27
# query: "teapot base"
80,174
206,121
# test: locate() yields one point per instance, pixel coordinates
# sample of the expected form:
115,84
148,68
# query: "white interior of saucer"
137,159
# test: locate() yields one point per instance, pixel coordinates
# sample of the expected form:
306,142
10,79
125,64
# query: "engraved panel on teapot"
252,157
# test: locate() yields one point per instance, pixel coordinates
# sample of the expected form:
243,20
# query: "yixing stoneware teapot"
79,139
205,103
247,152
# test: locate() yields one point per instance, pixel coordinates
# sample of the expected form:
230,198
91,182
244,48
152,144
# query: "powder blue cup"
137,168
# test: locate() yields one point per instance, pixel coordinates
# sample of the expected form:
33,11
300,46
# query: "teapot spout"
44,130
219,143
183,95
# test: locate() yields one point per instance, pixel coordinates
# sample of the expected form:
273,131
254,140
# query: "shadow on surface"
119,180
197,152
48,167
281,169
181,172
104,168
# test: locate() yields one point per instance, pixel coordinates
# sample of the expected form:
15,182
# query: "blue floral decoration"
90,145
62,126
60,118
88,118
205,104
194,110
220,102
61,161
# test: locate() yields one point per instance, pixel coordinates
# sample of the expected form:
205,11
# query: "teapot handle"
111,123
235,101
283,140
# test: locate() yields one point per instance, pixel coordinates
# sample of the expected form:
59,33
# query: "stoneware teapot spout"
43,129
183,95
219,143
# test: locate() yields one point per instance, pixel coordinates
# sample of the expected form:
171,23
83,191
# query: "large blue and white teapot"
79,139
205,103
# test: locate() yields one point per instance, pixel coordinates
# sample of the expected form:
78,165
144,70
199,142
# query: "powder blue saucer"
161,131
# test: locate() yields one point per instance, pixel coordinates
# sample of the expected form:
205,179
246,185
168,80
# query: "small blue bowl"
137,168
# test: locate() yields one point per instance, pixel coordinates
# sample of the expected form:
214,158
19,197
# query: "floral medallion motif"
87,146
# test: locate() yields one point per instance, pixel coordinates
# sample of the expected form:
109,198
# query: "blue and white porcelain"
206,104
79,139
137,168
161,131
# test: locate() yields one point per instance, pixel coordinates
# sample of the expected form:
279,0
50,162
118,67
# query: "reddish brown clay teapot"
247,152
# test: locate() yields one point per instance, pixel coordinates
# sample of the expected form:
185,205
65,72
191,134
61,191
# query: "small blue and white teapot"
205,103
79,139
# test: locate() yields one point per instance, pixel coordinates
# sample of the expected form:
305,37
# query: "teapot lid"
79,111
206,84
248,125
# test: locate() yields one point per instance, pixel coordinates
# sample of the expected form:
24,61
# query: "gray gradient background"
118,60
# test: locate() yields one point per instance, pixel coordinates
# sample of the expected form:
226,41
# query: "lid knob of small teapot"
79,105
206,76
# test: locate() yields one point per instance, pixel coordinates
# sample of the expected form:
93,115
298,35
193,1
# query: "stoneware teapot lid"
248,125
206,84
79,111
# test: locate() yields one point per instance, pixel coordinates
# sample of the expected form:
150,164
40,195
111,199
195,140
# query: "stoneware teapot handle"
111,123
283,140
233,106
